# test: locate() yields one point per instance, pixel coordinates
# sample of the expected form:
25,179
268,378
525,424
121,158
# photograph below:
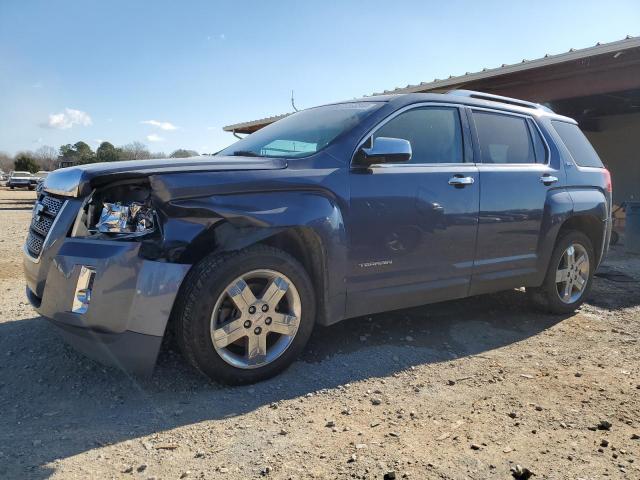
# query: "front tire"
245,316
569,275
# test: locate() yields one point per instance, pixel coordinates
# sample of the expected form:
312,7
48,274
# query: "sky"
171,74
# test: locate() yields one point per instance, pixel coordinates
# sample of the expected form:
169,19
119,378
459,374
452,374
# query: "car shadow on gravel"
55,403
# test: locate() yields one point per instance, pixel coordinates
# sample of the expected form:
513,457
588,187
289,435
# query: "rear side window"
435,134
504,139
577,144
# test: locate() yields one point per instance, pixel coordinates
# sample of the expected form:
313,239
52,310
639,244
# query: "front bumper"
130,299
19,183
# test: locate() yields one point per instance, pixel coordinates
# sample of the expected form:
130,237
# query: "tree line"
48,158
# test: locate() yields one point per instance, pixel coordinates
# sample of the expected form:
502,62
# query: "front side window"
435,134
303,133
503,139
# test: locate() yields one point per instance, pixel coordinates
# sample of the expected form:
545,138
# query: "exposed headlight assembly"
132,219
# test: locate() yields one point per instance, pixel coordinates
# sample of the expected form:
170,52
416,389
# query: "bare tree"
6,162
47,157
135,151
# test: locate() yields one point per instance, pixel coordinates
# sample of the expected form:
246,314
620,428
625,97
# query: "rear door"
516,177
412,226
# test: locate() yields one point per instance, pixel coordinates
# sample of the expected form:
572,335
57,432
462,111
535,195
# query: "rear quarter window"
579,147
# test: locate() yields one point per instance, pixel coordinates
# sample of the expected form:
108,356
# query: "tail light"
607,180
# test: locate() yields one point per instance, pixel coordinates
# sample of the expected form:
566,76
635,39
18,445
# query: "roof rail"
499,98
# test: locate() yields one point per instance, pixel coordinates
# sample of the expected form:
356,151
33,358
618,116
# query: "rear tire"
245,316
569,275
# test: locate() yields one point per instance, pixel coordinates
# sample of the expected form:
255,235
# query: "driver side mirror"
385,150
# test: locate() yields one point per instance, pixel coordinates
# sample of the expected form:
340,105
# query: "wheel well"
302,244
589,225
305,246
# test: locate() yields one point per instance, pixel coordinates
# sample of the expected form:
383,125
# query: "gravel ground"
478,388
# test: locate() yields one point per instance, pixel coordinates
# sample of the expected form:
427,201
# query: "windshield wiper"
246,153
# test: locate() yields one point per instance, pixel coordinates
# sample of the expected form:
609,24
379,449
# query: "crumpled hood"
77,181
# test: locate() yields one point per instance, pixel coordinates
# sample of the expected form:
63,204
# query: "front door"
412,226
516,178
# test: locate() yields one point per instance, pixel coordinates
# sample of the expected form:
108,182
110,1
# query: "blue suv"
333,212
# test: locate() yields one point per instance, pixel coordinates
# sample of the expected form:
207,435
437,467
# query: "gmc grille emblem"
38,211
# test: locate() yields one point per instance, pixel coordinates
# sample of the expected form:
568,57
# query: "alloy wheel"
572,274
255,319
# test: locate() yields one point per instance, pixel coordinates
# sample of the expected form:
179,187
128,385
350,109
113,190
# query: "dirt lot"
465,389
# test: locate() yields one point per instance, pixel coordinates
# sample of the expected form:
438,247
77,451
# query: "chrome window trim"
393,115
46,239
513,114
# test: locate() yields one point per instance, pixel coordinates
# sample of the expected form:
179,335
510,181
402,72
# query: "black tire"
546,297
12,187
207,281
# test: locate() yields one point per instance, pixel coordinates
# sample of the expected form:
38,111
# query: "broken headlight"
132,218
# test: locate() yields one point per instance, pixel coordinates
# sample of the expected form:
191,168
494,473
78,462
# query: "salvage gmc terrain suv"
332,212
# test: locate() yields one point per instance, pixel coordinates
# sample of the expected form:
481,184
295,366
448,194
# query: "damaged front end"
92,279
122,211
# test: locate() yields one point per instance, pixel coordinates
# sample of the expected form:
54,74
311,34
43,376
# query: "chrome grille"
52,204
45,211
43,225
34,244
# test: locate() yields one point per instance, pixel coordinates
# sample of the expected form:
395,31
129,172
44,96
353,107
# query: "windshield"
21,174
303,133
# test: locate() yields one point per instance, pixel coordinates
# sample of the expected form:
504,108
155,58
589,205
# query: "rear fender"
593,202
557,209
563,205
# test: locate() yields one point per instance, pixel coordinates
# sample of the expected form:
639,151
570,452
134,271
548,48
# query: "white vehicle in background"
21,180
39,176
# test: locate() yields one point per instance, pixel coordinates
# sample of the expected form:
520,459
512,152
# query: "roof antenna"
293,104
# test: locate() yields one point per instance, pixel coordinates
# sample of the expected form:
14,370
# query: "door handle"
548,179
461,181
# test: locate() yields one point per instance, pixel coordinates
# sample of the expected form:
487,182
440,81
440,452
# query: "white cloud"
155,138
160,125
67,119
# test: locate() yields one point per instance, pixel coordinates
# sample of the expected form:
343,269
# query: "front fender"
193,228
